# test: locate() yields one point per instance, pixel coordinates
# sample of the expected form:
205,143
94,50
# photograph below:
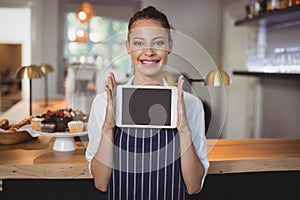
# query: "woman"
142,163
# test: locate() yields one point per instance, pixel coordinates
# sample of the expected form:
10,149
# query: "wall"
17,32
240,95
45,43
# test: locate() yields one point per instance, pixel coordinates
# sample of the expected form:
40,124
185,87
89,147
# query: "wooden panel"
37,160
45,171
253,149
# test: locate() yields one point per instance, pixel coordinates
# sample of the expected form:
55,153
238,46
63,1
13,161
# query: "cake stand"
64,141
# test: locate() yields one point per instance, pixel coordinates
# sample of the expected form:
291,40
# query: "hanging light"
81,35
85,12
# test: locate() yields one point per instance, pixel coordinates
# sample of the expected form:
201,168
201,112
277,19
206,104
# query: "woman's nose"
149,51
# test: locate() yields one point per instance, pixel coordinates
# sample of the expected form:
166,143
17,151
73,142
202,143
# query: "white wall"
45,42
15,26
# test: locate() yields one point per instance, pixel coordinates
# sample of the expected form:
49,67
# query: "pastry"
36,122
76,126
25,121
62,117
61,123
4,124
47,126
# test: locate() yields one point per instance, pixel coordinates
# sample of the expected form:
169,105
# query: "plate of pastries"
63,121
12,133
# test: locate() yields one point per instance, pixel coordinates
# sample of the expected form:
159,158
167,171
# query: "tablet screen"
146,106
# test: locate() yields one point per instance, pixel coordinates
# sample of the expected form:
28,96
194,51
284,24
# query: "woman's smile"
149,62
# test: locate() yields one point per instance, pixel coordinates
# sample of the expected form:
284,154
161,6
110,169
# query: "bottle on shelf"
250,9
263,6
271,5
255,8
283,4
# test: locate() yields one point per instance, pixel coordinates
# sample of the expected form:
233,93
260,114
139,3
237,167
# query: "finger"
180,85
108,95
109,82
113,79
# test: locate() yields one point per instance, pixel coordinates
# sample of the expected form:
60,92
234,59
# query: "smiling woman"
148,45
147,163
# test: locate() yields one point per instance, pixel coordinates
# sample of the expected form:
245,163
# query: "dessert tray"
64,141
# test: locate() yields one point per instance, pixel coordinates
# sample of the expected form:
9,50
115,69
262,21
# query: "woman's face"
148,45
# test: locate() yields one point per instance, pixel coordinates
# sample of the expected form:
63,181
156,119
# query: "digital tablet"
146,106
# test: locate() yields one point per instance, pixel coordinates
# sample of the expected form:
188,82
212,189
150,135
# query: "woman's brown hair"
150,13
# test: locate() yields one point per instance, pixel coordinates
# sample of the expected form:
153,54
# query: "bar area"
241,58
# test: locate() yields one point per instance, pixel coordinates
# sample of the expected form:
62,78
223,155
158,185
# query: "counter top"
36,159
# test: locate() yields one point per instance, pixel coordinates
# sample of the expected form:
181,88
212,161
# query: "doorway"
10,87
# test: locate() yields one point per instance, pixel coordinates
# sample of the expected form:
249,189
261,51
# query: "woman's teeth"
149,62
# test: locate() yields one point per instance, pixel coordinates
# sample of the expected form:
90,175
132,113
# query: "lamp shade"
46,68
81,35
217,78
85,12
29,72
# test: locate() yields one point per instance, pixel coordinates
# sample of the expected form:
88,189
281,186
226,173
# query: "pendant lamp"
85,12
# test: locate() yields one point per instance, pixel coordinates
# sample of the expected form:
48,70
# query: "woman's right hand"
110,122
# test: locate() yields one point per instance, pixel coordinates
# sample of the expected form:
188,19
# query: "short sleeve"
96,119
195,115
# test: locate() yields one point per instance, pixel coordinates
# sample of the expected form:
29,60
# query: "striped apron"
146,165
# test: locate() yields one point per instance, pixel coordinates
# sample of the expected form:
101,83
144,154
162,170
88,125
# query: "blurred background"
260,53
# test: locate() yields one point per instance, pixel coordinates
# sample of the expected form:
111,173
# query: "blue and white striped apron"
146,165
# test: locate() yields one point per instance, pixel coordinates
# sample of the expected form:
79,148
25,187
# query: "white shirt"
195,116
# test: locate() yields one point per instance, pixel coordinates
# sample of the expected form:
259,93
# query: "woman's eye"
137,43
159,43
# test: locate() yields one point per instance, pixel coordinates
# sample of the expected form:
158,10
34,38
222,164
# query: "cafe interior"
241,58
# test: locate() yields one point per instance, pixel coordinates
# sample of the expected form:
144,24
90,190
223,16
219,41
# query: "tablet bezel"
119,100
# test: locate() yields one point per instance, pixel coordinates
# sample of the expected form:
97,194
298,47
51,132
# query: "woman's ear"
170,46
128,47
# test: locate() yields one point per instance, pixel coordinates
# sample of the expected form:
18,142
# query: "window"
101,41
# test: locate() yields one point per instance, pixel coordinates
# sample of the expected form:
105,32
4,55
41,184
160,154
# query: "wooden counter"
36,159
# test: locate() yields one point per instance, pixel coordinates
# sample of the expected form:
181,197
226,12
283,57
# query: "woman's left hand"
182,123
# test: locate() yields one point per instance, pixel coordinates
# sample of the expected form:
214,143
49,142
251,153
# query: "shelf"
292,76
275,19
